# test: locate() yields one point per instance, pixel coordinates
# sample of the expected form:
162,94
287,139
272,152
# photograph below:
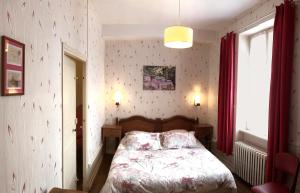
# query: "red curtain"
227,93
280,90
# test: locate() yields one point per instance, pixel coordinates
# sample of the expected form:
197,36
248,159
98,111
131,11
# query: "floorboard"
101,174
104,169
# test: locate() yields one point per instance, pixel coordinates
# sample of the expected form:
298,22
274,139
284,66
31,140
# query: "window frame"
266,31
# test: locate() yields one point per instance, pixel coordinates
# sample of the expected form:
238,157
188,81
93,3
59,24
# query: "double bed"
152,158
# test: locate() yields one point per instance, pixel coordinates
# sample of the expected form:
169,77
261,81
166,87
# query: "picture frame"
13,67
159,78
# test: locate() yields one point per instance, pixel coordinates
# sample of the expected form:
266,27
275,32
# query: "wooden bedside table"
58,190
114,131
203,132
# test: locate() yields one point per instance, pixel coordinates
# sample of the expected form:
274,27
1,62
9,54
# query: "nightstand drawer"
112,133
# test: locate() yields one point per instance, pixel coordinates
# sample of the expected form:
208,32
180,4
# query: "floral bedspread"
193,170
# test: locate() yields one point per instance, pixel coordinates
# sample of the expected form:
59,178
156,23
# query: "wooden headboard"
177,122
140,123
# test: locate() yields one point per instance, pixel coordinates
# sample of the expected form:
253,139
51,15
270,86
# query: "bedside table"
58,190
203,132
114,131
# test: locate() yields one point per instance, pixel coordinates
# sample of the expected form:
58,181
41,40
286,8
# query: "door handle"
74,130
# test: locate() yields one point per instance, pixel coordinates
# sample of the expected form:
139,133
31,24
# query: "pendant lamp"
178,36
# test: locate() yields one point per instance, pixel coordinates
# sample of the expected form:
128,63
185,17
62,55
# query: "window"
254,74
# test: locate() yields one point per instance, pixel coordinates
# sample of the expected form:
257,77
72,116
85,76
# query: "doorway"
73,118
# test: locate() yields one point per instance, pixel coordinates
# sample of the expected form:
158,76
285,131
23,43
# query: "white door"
69,123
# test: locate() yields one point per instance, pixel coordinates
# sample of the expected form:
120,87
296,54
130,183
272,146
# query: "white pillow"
137,140
175,139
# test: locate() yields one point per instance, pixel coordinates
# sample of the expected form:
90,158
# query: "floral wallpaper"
30,147
214,60
241,23
294,137
31,125
124,61
95,84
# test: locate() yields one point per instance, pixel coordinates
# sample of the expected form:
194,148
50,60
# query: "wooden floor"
104,169
102,174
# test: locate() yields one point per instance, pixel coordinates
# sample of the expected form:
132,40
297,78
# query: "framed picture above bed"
13,67
159,77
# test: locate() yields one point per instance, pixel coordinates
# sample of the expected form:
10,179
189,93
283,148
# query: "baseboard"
95,168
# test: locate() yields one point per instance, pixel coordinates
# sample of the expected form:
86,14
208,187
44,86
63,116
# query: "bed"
150,160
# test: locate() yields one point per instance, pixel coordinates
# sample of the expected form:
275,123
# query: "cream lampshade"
178,37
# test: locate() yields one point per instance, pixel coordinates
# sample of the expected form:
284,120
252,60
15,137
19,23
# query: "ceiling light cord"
178,36
179,13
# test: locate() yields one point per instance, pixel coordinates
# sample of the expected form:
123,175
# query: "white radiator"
249,163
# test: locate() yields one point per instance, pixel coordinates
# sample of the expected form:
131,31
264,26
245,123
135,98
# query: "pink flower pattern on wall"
124,61
31,125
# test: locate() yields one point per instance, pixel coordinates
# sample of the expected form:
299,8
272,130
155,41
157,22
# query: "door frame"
79,57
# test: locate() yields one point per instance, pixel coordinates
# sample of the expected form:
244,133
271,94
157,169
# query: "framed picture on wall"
159,77
13,67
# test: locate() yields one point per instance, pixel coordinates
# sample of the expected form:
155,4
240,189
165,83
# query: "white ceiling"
200,14
140,31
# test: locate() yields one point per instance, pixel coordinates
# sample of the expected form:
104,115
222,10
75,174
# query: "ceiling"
200,14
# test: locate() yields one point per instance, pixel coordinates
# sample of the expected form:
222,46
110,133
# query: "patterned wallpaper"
214,60
31,125
295,105
124,61
30,148
242,22
95,83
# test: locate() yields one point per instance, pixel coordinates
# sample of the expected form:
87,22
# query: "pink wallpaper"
31,125
30,147
95,85
124,61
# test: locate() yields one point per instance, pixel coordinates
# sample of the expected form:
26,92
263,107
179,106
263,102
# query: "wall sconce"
197,100
196,104
118,97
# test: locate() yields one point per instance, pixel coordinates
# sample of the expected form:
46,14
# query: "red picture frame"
13,67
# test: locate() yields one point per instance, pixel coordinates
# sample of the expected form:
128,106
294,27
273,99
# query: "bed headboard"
178,122
140,123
